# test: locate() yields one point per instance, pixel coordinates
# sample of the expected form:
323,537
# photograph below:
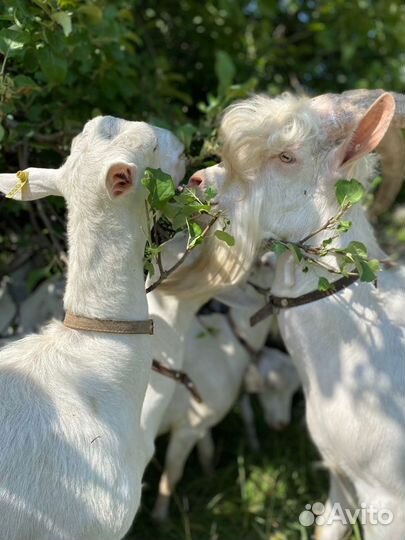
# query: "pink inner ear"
119,179
371,128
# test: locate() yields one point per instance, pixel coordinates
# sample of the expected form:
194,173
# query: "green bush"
175,63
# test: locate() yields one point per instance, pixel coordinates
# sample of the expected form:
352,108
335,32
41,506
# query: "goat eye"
286,157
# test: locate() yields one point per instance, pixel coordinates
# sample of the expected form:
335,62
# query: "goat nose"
196,181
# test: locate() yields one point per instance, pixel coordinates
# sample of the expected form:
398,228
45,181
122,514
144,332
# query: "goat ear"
369,131
120,179
38,183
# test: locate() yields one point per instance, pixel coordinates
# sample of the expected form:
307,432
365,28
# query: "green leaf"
225,237
343,226
12,40
2,132
324,284
374,265
93,13
53,67
195,234
160,186
179,222
64,19
278,247
366,271
225,71
349,192
149,268
357,249
327,242
24,83
67,4
295,250
195,230
186,133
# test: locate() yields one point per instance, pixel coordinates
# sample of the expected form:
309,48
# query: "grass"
250,496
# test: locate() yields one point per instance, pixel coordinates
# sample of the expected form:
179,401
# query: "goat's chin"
211,267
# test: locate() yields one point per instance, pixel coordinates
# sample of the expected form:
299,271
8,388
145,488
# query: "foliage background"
177,64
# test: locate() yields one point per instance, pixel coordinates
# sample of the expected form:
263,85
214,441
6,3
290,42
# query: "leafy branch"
164,274
174,210
355,254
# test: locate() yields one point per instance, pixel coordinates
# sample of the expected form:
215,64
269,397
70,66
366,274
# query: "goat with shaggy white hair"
71,448
349,348
217,352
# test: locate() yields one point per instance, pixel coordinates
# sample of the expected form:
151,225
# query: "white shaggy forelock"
253,130
298,197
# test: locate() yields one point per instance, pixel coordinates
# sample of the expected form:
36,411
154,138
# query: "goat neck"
105,276
291,281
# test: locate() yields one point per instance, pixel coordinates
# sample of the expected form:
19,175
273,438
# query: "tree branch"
164,274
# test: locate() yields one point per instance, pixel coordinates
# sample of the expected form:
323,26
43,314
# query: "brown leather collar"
285,302
178,376
235,330
107,326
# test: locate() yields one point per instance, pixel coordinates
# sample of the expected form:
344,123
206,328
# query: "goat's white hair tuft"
253,130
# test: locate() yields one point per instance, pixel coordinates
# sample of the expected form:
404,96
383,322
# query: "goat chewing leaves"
170,210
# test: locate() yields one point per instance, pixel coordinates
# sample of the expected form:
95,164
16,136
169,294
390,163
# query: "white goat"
71,448
274,380
217,364
217,361
349,348
172,318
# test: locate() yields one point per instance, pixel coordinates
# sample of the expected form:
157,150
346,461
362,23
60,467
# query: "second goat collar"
279,302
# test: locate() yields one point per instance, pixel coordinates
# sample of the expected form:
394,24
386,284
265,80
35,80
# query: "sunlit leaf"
64,19
160,186
225,70
225,237
324,284
349,192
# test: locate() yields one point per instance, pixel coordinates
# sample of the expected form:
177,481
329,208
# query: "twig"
156,235
325,266
331,221
3,65
166,273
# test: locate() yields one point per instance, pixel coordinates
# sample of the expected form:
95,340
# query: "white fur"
71,449
349,348
217,362
172,318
